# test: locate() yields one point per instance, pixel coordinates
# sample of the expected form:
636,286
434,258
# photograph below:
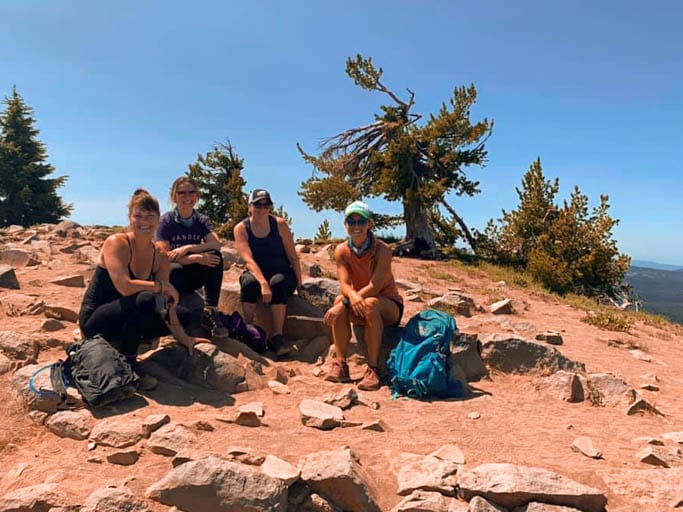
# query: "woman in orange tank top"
369,296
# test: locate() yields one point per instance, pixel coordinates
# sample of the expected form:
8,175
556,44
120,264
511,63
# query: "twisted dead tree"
397,159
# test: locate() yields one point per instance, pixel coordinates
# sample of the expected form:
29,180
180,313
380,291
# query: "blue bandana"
358,251
185,221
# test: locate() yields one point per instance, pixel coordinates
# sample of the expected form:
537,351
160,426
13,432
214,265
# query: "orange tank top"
362,267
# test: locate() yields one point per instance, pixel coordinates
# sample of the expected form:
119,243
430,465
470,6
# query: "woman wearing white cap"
369,295
266,245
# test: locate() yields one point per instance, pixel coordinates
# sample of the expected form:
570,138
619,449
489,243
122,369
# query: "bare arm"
194,253
242,246
116,257
288,243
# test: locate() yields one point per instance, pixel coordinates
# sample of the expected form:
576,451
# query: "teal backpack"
418,366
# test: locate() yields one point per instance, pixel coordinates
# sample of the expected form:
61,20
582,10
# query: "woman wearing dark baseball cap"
266,245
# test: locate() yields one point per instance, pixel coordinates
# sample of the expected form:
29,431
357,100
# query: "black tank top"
101,289
269,251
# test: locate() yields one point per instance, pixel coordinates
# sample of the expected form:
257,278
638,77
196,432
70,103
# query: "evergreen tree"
395,158
523,226
27,196
566,249
219,175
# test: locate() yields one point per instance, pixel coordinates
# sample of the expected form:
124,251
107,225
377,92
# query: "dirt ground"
515,423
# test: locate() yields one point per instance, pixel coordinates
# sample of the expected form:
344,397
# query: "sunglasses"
353,222
186,192
262,204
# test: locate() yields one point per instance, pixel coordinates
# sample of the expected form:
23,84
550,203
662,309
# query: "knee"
145,303
250,290
375,313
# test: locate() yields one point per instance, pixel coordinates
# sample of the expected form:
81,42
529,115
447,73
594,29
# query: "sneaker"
211,321
147,382
339,372
277,345
371,380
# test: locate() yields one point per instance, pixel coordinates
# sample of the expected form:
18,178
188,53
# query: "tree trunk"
418,231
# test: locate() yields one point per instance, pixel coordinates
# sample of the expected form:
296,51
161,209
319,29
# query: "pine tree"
568,249
523,226
27,196
219,175
395,158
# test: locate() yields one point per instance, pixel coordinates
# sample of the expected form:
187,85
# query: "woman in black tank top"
131,279
266,245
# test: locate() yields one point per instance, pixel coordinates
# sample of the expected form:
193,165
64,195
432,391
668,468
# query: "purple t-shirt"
177,234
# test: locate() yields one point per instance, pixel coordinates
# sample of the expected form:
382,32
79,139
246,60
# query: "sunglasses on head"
262,204
359,222
186,192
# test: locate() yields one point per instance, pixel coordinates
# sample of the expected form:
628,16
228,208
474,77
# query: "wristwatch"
346,302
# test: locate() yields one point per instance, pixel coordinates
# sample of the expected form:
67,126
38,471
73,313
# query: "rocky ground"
599,413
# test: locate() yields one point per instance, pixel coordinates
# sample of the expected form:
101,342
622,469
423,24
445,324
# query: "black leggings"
192,277
128,321
282,286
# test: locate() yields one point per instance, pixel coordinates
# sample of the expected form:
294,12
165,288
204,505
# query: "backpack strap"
56,379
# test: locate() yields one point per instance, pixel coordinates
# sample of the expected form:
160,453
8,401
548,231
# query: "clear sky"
126,94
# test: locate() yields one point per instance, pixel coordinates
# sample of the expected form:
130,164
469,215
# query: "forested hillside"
660,290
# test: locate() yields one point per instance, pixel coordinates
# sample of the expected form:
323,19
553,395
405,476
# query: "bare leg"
249,310
341,335
383,312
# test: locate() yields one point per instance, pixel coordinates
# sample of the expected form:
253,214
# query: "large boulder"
513,486
339,475
513,355
219,485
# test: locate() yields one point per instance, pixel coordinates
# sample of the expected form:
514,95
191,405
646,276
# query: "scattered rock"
320,415
502,307
550,337
375,426
36,498
514,355
425,501
278,468
217,484
449,452
676,437
584,445
117,433
426,473
513,486
74,424
339,475
171,439
123,458
75,281
113,499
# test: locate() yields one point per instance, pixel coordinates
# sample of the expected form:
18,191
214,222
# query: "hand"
190,341
266,293
208,259
179,252
358,305
332,313
171,293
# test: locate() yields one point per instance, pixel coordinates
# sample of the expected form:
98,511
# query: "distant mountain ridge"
660,290
652,264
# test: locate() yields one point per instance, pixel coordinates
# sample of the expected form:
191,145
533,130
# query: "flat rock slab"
219,485
513,355
320,415
425,473
513,486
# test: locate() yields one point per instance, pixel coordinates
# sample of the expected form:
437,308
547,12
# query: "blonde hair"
179,181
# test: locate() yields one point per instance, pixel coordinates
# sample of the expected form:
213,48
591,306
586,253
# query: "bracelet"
346,302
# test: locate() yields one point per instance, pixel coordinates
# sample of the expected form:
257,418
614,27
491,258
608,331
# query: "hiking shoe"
277,345
339,372
371,380
211,321
147,382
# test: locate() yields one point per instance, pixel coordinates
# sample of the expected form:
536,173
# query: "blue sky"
126,94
